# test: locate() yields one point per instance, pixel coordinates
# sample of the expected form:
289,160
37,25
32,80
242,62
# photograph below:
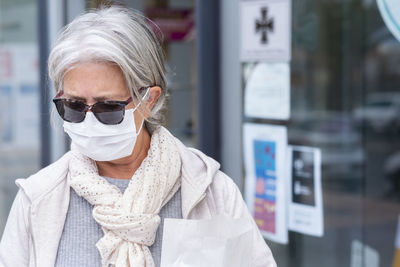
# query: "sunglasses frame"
87,108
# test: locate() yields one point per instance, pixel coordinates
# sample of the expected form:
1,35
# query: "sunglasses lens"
71,111
109,113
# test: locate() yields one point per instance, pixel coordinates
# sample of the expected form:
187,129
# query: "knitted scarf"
130,220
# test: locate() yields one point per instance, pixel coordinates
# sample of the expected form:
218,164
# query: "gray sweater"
81,232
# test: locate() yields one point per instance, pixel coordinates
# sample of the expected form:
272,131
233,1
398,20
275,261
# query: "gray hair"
119,36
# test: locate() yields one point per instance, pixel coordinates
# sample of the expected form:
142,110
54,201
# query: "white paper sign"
218,242
265,151
390,11
267,91
265,30
305,197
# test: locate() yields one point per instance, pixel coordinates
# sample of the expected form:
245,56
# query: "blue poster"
265,198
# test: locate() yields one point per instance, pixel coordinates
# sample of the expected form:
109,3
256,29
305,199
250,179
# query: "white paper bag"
219,242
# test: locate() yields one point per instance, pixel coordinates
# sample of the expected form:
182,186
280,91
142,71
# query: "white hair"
115,35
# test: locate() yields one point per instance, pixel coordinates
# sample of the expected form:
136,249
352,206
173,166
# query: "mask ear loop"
143,98
146,94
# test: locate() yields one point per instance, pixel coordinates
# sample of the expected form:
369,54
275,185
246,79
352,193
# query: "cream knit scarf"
130,220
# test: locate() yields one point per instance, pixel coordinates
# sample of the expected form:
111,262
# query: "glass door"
345,87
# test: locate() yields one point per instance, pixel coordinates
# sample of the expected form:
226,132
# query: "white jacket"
37,217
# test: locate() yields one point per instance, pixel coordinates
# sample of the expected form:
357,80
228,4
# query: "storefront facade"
344,101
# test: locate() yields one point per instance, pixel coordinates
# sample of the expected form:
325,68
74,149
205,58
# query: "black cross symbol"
264,25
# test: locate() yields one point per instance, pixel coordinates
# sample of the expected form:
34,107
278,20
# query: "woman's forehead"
95,80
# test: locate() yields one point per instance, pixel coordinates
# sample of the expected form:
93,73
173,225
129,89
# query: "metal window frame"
45,135
208,77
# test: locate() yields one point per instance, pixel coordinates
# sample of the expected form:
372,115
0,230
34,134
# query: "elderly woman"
103,203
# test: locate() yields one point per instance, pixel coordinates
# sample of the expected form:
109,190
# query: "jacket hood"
44,180
198,171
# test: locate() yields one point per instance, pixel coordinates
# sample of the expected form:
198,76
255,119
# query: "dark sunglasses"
107,112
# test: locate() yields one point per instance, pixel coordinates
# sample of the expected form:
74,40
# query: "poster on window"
305,197
265,152
265,27
267,90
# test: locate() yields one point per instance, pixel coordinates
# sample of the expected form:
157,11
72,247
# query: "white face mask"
102,142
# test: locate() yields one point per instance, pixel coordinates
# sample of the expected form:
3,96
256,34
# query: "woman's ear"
152,96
